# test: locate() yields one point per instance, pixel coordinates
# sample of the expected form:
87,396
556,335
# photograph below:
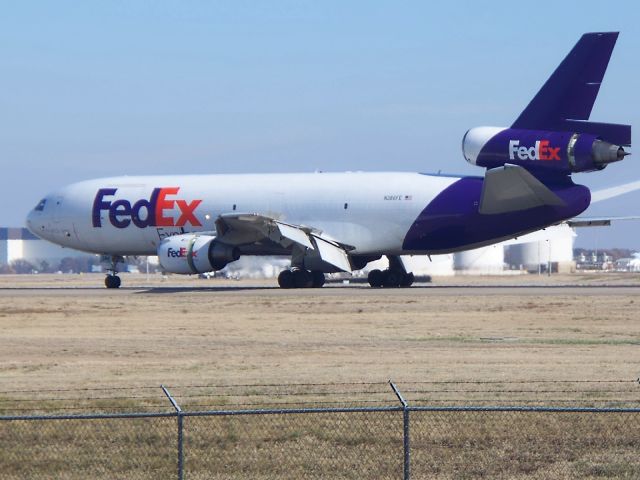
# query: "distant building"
551,248
592,260
21,244
628,264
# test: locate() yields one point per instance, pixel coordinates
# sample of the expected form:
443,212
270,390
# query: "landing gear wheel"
285,279
407,280
302,279
393,278
112,281
376,278
317,278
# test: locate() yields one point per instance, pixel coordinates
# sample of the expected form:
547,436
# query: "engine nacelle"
191,253
562,152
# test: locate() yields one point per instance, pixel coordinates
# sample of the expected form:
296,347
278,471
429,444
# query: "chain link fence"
307,431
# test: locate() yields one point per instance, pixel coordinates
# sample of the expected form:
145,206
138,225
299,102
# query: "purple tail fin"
565,101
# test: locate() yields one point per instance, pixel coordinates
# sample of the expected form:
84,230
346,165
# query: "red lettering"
164,204
544,150
548,153
187,213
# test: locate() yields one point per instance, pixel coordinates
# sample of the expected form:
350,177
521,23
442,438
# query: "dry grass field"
534,340
66,332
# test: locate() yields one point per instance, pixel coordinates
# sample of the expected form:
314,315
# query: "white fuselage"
370,211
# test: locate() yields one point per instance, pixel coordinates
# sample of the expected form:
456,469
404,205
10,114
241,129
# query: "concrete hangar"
20,244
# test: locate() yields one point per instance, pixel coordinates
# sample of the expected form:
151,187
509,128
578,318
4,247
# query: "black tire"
285,279
317,278
376,278
302,279
407,280
392,279
112,281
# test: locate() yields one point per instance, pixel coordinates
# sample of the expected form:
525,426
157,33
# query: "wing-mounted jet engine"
190,253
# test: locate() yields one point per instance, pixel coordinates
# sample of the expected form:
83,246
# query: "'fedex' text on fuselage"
152,212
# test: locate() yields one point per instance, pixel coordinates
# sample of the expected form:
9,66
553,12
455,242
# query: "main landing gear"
394,276
300,278
112,280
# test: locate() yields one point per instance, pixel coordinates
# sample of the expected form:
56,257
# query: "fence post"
405,434
180,436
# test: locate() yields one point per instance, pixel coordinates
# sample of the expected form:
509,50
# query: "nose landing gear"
112,280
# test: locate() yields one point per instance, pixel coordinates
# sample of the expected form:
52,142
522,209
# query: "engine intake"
189,253
564,152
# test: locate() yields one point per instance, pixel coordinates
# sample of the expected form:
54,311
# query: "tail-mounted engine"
190,253
561,152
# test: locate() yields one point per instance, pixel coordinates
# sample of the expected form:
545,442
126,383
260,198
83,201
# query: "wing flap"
247,228
333,254
295,234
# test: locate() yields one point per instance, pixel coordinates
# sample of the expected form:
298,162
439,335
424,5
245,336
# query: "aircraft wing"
247,228
606,194
597,221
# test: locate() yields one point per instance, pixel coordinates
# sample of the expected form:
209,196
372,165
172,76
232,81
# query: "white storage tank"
553,245
439,265
480,261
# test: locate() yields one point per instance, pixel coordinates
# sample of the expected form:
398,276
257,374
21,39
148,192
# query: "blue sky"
94,89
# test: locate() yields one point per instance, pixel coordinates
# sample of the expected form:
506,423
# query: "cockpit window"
41,204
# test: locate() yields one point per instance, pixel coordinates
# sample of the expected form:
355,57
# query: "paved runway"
330,290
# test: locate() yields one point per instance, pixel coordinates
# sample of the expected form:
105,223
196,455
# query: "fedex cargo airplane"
330,222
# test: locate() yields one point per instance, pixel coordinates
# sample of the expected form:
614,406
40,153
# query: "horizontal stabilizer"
612,192
512,188
612,132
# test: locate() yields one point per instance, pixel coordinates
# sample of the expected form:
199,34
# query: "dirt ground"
66,332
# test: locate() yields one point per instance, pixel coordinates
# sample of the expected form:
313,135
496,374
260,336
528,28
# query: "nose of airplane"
35,221
29,222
